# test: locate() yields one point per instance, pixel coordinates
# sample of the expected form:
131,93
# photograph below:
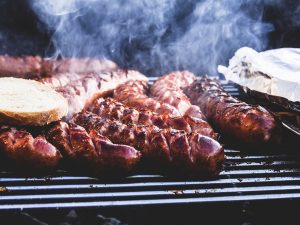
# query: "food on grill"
35,66
249,123
190,154
24,67
92,152
170,138
78,65
168,89
134,94
81,89
25,152
28,102
110,108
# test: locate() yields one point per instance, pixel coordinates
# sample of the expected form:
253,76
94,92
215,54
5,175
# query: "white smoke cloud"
155,36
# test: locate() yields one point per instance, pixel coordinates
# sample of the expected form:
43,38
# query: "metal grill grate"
245,178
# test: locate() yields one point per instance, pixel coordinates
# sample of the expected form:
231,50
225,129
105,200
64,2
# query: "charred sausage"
27,153
192,154
250,124
134,94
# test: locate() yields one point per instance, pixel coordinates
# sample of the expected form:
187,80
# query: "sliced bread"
28,102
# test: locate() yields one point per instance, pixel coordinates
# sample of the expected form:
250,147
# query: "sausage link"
134,94
193,154
250,124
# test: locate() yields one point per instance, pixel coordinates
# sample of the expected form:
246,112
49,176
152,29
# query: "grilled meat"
78,66
26,152
24,67
168,89
81,89
192,154
92,152
134,94
110,108
35,66
248,123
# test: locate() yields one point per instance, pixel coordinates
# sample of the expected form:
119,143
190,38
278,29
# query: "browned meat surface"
24,67
81,89
190,154
92,152
110,108
134,94
35,66
78,65
168,89
25,152
248,123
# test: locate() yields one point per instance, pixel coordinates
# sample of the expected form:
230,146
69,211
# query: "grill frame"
246,178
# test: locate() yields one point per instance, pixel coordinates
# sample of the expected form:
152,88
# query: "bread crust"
34,118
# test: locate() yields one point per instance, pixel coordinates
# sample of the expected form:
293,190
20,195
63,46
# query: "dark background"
22,32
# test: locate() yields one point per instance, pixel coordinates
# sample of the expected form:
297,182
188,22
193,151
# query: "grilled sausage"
248,123
27,153
93,153
78,66
192,154
110,108
23,67
168,89
35,66
82,89
134,94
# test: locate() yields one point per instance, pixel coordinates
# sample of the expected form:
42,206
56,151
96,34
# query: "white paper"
274,72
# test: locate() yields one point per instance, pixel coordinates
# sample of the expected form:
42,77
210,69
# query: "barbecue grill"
268,180
262,187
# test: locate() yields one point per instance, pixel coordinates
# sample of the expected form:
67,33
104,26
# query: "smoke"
155,36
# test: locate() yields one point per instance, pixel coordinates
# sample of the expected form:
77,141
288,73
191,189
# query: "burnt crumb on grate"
177,192
3,189
47,179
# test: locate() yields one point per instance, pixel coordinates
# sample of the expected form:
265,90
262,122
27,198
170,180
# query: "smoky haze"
155,36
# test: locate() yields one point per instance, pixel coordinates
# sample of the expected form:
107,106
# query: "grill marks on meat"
92,152
134,94
192,154
250,124
82,89
26,152
110,108
168,89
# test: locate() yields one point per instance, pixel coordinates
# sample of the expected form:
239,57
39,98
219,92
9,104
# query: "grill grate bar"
154,202
186,193
152,185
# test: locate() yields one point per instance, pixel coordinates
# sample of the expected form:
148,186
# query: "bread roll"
28,102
